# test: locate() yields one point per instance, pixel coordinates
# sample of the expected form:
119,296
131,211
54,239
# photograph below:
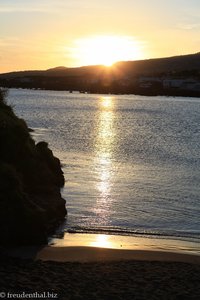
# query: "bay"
131,163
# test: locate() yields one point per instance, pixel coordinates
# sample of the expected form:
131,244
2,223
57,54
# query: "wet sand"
96,254
86,272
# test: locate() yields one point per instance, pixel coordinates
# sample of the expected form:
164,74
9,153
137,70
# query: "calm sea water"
131,163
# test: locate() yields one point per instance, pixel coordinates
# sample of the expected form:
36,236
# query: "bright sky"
41,34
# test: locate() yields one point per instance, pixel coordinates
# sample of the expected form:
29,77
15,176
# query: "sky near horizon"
40,34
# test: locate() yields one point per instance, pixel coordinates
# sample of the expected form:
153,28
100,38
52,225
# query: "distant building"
25,80
145,85
191,85
147,82
149,79
126,81
172,83
184,84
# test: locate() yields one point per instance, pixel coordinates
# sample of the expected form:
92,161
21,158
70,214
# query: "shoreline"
172,93
96,254
91,272
127,242
99,248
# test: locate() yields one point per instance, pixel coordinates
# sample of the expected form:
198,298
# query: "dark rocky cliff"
31,205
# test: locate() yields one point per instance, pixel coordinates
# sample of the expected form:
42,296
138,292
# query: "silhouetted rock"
31,205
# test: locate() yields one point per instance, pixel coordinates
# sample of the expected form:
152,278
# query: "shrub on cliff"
30,180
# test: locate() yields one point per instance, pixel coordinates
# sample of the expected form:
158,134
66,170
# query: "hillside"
175,76
133,68
161,65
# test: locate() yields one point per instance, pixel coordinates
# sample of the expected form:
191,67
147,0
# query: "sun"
106,50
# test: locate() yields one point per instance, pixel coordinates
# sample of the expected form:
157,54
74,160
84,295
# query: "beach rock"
31,177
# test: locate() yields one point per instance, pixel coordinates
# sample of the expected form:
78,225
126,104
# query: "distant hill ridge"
148,67
162,65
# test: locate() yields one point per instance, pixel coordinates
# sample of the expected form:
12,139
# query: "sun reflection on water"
102,241
104,153
107,102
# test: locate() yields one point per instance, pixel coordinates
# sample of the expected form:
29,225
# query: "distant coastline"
139,92
173,76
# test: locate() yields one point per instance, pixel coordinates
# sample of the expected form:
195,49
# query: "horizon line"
100,65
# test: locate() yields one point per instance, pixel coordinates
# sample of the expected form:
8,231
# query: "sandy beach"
128,279
85,272
95,254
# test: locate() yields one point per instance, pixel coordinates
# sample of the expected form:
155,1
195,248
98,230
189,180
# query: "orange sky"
40,34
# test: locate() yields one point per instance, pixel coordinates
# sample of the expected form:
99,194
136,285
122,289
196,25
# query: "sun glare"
106,102
102,241
106,50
